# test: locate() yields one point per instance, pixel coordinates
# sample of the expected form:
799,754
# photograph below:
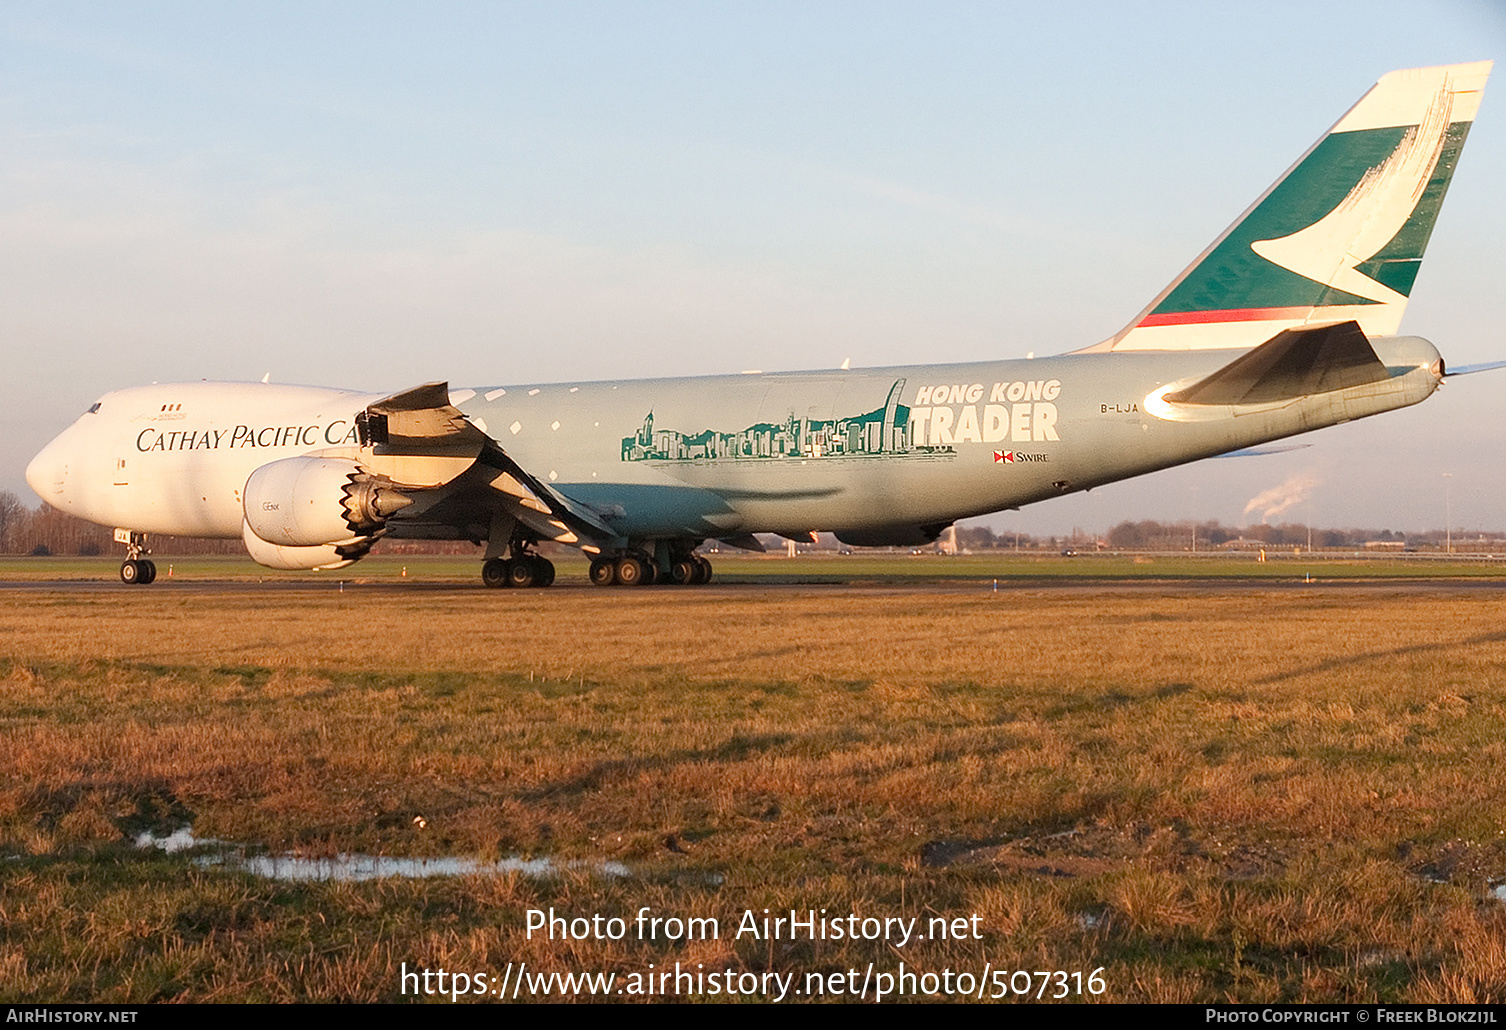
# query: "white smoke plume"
1282,498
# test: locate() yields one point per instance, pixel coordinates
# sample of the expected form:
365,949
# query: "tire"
651,573
130,572
522,573
603,572
704,564
494,572
151,572
545,575
630,571
683,572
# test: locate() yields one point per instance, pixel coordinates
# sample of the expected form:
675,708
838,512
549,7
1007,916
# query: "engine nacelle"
326,556
317,502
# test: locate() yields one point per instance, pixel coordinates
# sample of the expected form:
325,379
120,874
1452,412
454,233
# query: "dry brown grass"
1255,793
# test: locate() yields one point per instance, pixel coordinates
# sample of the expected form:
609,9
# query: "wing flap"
541,508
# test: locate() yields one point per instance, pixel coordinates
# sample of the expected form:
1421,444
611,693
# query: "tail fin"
1340,236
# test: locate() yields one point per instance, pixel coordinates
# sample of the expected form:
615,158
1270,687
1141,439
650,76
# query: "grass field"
1263,792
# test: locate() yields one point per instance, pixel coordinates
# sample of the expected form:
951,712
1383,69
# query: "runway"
767,587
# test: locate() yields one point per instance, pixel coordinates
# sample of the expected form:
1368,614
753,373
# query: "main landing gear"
631,570
135,570
523,570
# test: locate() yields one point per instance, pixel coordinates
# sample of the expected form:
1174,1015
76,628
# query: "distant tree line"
1150,535
45,530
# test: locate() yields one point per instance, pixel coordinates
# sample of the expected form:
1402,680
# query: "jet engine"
319,504
324,556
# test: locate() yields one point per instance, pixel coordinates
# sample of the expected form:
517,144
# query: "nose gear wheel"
138,571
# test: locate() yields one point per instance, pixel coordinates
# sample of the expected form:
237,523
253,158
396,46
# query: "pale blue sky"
379,195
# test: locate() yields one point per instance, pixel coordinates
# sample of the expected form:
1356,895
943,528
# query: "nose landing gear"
135,570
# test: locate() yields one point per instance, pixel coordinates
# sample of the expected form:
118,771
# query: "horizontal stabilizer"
1293,363
1464,370
1256,452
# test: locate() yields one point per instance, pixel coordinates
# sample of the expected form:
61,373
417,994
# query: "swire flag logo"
1004,457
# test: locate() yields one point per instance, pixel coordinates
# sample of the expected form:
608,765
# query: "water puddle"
180,839
1495,888
357,868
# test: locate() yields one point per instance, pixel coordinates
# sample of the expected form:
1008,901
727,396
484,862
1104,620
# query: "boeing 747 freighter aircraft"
1285,324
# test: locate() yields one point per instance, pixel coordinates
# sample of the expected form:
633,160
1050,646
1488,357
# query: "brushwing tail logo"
1370,215
1340,236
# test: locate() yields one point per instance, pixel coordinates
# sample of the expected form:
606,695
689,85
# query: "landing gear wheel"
603,572
494,572
544,572
703,567
683,572
651,573
136,569
521,573
630,571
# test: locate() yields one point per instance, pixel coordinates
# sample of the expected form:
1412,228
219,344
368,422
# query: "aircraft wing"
539,506
421,419
419,438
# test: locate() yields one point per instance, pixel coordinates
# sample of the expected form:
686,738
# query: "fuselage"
714,456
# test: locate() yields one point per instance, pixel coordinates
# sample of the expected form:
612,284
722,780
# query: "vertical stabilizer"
1340,236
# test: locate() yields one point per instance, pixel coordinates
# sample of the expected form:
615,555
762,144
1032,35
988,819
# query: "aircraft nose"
45,472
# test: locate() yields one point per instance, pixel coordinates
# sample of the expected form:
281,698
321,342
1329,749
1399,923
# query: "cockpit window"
93,408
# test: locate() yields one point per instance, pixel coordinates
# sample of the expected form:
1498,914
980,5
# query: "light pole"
1448,512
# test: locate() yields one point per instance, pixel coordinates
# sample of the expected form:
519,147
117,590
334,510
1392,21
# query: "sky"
377,195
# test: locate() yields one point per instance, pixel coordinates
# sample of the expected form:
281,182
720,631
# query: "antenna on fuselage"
267,378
